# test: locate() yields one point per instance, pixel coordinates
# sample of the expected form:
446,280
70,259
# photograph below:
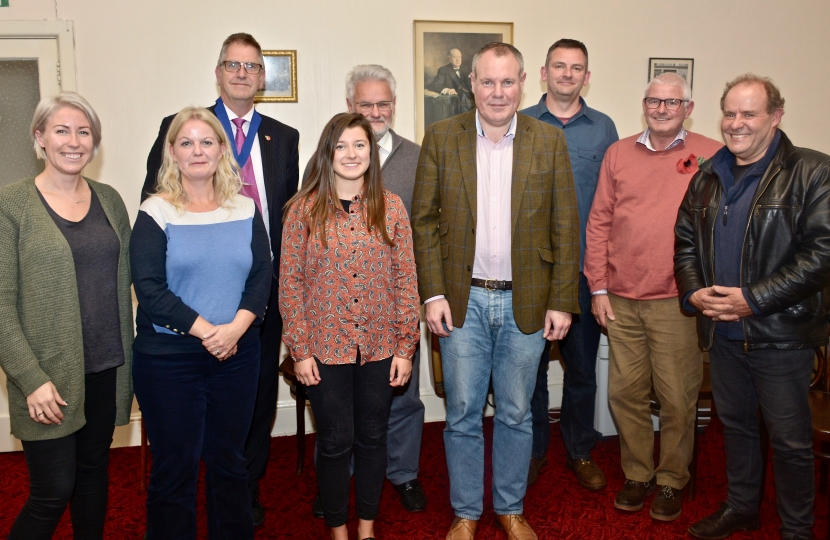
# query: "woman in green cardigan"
66,327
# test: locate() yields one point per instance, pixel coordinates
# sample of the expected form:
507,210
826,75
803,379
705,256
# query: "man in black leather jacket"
752,258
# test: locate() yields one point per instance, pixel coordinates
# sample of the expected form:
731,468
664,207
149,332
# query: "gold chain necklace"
62,193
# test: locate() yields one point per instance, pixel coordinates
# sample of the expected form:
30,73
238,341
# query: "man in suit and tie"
451,79
496,235
270,174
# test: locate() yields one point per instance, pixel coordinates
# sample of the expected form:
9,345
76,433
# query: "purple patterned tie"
249,188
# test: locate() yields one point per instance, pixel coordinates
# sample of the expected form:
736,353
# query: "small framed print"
684,67
280,78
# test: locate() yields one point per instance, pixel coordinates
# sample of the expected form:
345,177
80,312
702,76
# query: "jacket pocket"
443,229
546,254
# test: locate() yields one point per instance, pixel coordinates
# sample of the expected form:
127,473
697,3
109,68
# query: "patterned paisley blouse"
356,293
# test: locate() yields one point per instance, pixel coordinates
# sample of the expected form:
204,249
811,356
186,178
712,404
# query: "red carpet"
556,506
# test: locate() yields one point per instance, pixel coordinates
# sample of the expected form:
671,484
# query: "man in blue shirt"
588,133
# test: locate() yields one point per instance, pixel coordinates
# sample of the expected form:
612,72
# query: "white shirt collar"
645,140
510,132
232,115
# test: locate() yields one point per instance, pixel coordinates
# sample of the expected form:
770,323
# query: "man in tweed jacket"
497,247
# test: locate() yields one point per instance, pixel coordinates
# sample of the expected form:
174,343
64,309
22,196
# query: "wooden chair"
298,390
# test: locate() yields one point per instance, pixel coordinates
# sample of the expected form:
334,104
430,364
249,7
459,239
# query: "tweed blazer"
40,316
545,223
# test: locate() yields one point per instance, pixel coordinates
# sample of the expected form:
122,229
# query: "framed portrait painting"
280,77
443,57
684,67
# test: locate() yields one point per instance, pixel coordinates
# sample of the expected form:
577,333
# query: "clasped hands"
437,314
726,304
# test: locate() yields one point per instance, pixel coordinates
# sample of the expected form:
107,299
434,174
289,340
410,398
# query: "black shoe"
723,523
630,498
317,508
667,504
257,511
412,495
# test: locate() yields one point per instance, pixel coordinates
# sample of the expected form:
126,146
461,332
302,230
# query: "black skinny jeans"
351,408
72,470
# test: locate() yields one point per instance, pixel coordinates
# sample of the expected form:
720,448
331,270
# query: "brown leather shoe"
667,504
588,473
630,498
535,466
516,527
462,529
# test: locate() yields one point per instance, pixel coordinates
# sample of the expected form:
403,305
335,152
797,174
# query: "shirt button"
355,300
357,326
354,275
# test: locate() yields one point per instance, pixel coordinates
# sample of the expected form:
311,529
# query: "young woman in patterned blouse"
349,302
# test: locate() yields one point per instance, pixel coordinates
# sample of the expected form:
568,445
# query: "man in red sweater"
629,267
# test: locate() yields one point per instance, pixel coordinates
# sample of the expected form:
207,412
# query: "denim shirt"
588,133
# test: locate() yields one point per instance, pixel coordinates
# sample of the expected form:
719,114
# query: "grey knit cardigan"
40,317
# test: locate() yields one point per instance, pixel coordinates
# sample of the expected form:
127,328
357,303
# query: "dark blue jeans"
196,407
72,470
351,410
579,351
779,381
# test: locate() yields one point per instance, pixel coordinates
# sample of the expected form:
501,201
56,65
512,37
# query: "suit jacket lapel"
467,158
522,156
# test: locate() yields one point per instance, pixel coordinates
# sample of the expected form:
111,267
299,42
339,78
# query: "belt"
492,284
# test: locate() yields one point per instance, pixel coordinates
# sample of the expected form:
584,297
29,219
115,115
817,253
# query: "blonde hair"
226,179
50,105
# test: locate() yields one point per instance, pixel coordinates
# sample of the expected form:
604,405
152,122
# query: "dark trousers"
258,444
195,406
778,380
579,351
351,409
406,426
72,470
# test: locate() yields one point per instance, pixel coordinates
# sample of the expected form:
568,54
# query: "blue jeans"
579,351
488,344
779,381
196,407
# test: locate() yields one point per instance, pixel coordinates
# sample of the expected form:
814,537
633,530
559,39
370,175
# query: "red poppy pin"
690,164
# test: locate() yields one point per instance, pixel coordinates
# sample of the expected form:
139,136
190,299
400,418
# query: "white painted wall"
139,61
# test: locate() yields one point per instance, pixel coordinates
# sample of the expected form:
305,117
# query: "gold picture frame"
433,42
280,78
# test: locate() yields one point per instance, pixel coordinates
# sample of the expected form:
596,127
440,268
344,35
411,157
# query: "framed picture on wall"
280,77
685,67
443,57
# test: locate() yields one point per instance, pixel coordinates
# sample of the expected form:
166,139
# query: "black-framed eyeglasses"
671,104
232,66
366,107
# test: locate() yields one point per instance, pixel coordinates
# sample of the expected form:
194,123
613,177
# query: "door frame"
61,31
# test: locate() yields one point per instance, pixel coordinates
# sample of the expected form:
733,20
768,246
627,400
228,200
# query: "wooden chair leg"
300,394
691,486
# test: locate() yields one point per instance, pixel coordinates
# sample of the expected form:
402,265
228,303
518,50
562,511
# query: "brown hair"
566,43
774,99
320,185
499,49
241,39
